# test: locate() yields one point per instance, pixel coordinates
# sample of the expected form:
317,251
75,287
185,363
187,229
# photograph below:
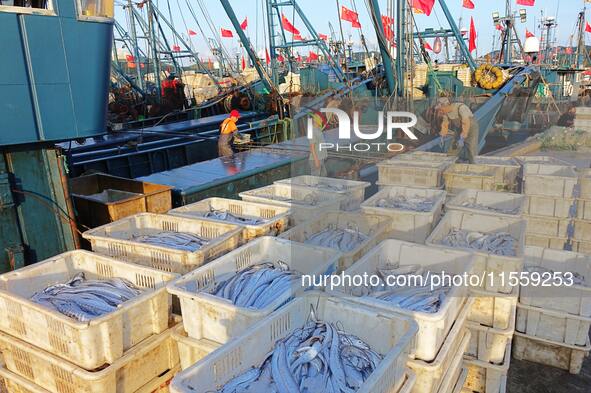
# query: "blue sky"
321,12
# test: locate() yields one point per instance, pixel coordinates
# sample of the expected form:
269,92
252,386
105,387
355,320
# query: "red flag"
386,20
472,40
243,63
529,3
297,37
176,48
499,27
587,27
529,34
312,56
244,23
350,16
267,57
227,33
468,4
191,32
423,6
287,26
280,58
437,45
129,58
323,37
389,32
427,46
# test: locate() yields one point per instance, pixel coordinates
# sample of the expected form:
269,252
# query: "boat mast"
581,39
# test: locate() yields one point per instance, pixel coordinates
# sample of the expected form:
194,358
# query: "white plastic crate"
493,309
375,227
352,191
433,327
492,266
12,383
276,218
507,170
426,174
408,225
191,350
575,299
585,183
584,209
547,160
87,344
544,241
560,327
115,240
559,207
582,230
504,170
141,364
489,344
305,202
459,177
426,156
537,350
549,180
430,375
206,316
547,226
160,384
451,385
494,203
389,334
484,377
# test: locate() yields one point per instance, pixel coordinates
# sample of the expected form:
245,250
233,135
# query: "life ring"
489,77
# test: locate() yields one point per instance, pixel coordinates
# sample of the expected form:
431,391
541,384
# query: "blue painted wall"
54,75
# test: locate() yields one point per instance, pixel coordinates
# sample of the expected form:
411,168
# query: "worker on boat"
228,129
460,118
317,156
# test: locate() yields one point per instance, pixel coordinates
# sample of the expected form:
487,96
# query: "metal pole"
270,5
509,36
581,44
400,46
386,60
136,52
152,43
246,42
458,34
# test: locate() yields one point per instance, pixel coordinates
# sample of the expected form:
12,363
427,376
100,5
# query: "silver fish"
84,299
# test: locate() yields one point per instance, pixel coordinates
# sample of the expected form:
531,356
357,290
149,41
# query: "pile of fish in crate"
213,296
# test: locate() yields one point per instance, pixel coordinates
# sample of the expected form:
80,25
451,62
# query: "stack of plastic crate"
554,310
551,204
491,319
127,350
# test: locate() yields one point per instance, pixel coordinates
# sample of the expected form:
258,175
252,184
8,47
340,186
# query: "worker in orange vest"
227,130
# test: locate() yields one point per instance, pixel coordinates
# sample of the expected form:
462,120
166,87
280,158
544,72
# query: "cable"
47,201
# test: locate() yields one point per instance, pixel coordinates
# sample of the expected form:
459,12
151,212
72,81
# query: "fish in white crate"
224,215
83,299
345,240
258,285
414,203
418,295
497,243
318,357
